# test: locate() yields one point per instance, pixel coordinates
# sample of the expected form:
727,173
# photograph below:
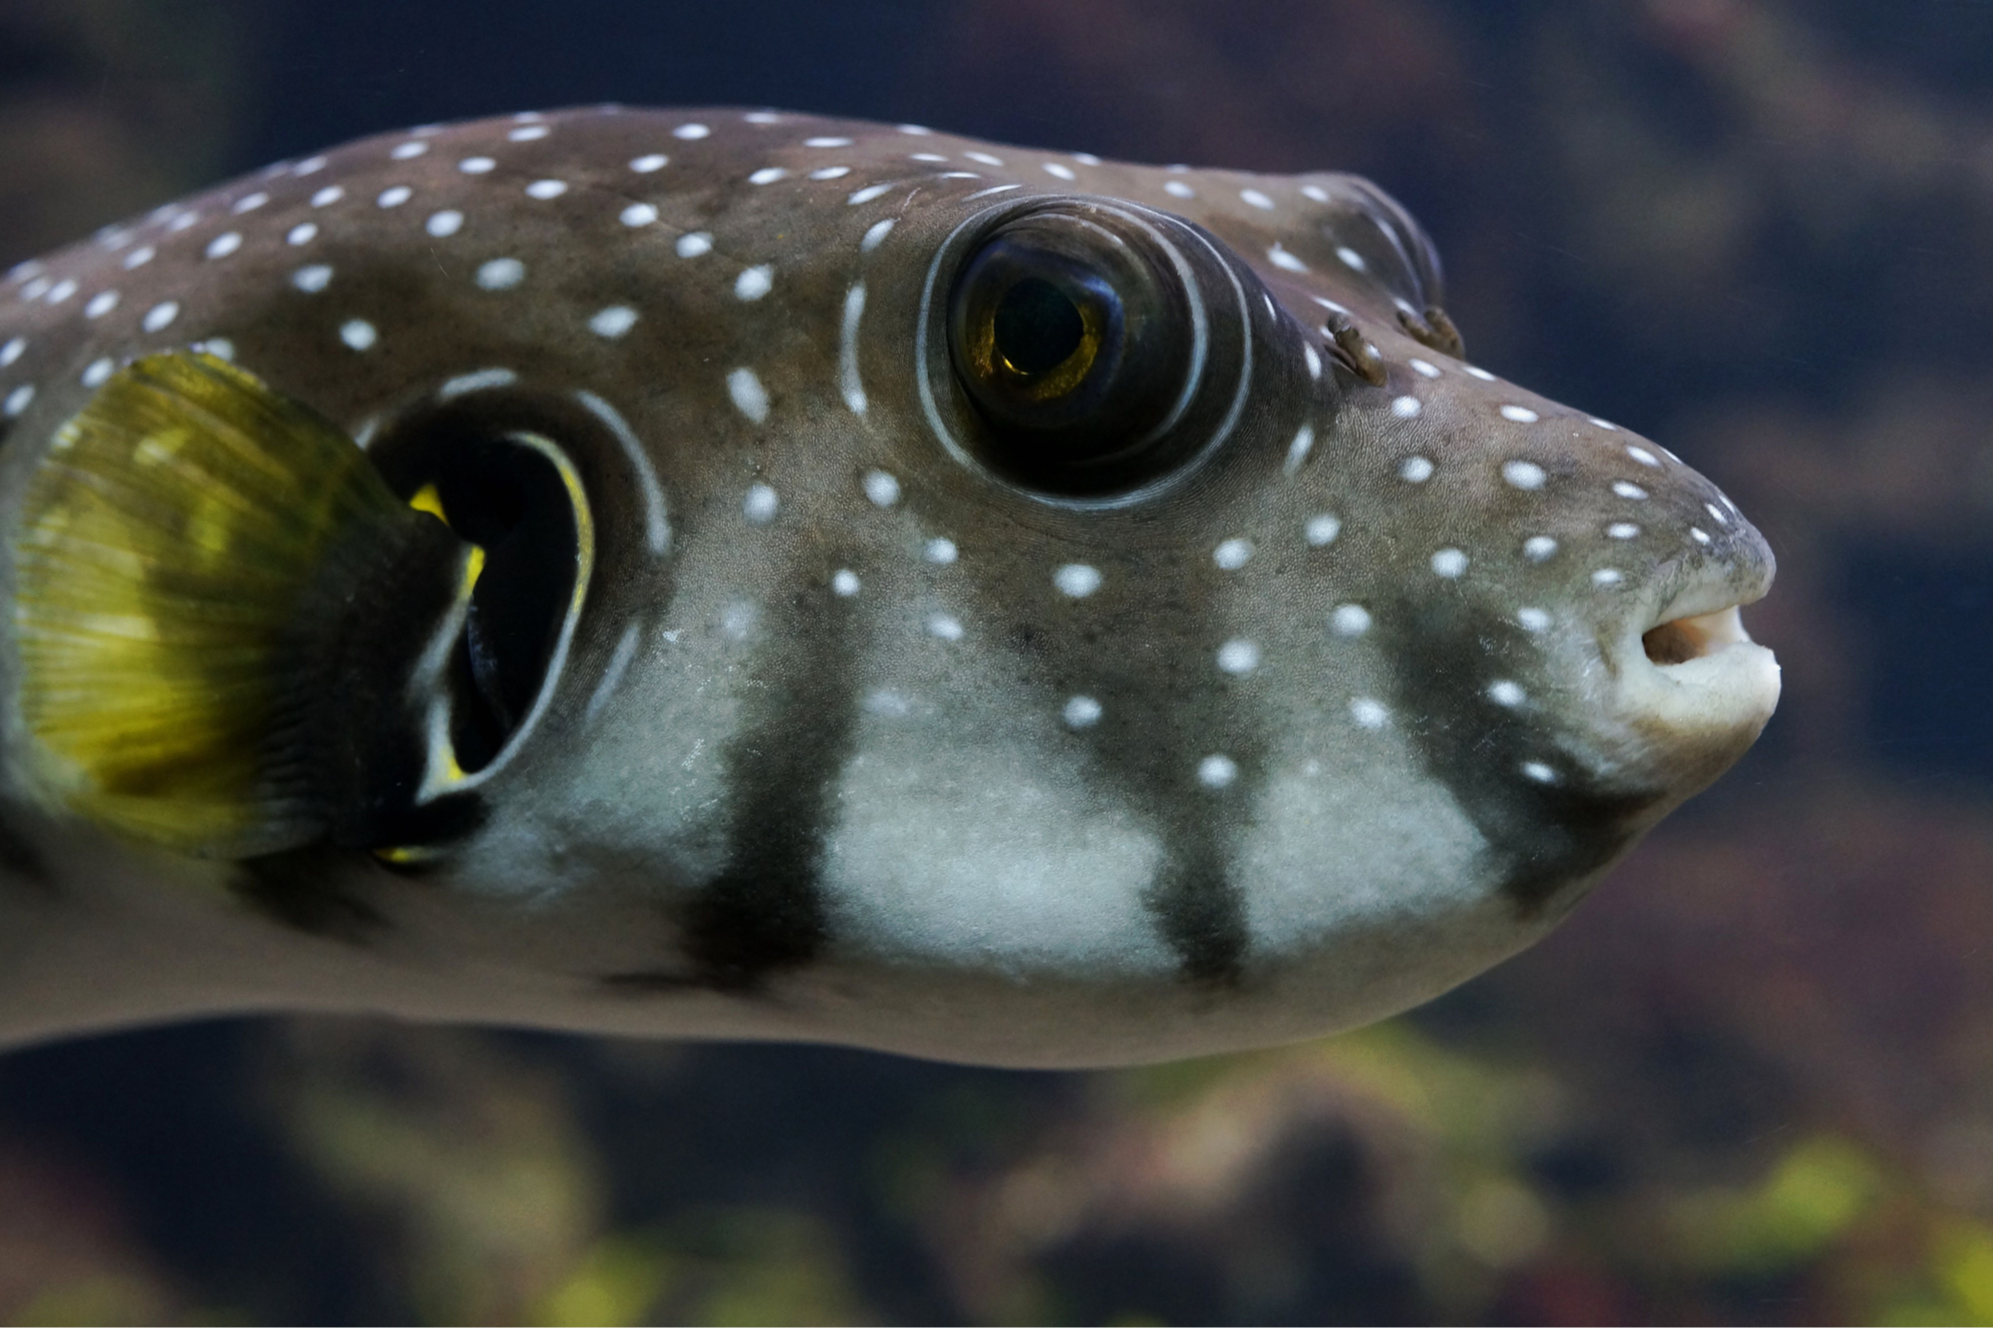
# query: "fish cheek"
1542,835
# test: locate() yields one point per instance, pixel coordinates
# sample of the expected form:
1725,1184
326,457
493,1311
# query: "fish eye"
1079,341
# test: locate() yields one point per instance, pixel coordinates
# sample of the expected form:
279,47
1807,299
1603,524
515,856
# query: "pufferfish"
747,575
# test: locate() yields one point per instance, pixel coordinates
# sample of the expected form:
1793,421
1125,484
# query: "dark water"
1751,1081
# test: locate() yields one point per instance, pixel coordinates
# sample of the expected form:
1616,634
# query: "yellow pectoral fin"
167,542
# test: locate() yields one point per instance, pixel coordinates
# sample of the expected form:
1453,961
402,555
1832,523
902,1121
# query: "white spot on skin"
1717,513
945,626
1606,577
476,165
1524,474
1060,171
867,194
312,279
1522,415
12,351
649,162
830,172
327,196
638,214
527,133
1368,713
613,321
940,550
1503,692
404,151
1405,407
754,283
1078,580
1626,490
1449,563
395,197
358,334
1254,198
249,203
767,175
1322,529
310,166
1622,530
1351,259
1238,656
1538,772
1216,772
1298,449
881,488
844,582
161,315
875,233
98,371
1701,536
1349,620
302,234
1609,425
62,290
1081,712
183,221
1533,620
749,397
848,381
139,257
475,382
1232,554
1644,457
1415,470
760,505
18,401
691,131
832,142
737,620
984,157
224,244
1315,192
1538,547
546,189
1178,189
1281,258
101,304
221,348
887,703
693,244
1313,359
1481,374
501,274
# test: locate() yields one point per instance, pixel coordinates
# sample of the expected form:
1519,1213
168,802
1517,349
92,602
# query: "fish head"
980,602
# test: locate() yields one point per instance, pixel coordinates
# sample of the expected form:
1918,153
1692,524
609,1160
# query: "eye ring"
1104,403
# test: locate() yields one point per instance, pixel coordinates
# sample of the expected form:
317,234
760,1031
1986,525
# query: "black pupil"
1037,327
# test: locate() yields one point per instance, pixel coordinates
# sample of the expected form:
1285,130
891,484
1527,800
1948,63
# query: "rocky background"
1750,1082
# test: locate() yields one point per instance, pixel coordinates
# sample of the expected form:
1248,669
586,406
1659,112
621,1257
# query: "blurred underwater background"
1751,1081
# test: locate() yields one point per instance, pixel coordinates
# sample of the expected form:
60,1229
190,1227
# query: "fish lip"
1692,683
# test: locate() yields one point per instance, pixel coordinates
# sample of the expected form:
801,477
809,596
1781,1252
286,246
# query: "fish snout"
1689,684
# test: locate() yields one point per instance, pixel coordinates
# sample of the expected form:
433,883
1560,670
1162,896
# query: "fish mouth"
1694,680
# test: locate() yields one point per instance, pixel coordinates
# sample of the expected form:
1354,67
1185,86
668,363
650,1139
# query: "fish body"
983,603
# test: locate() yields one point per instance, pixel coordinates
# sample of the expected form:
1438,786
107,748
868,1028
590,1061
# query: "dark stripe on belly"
765,912
1542,838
